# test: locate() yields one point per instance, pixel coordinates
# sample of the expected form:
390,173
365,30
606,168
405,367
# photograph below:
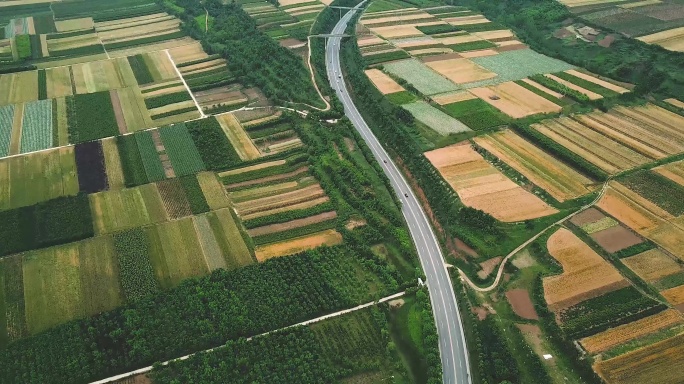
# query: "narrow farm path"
180,75
307,322
206,21
313,76
500,271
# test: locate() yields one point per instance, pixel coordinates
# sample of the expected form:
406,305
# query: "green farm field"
70,281
36,177
127,208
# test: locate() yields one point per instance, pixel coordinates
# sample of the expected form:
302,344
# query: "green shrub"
215,149
193,191
135,268
140,70
23,44
171,98
91,117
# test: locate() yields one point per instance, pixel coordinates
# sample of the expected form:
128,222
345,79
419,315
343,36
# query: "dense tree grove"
198,314
253,57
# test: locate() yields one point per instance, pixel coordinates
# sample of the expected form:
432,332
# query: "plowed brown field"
656,363
547,172
481,186
289,247
652,265
624,333
585,273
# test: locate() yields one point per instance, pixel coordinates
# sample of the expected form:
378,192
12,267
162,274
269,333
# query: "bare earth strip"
515,100
289,207
251,168
627,332
383,82
328,237
238,137
292,224
673,171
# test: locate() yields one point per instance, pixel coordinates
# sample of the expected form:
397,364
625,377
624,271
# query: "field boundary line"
202,115
514,252
306,322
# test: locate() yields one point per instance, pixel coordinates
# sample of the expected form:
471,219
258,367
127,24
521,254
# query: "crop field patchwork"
128,208
18,87
559,179
644,217
481,186
36,130
175,252
585,273
460,71
672,39
384,83
424,79
174,198
437,120
607,143
673,171
653,265
625,333
646,363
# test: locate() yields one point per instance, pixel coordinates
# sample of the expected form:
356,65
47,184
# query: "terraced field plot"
560,180
621,139
480,185
644,217
585,273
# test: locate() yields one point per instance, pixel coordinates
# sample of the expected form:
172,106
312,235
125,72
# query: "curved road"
451,338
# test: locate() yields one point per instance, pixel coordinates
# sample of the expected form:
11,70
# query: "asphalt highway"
452,346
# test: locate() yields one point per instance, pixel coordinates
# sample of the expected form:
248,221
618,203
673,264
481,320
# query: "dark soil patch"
591,215
521,304
616,239
90,165
447,56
